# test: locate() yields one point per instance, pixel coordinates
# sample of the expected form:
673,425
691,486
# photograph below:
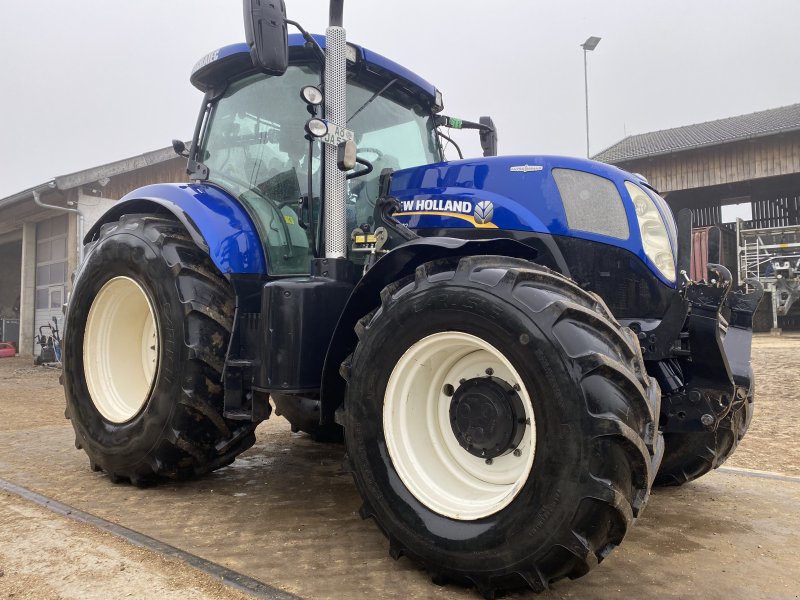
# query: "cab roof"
221,65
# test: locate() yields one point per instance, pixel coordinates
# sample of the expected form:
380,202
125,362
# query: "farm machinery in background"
49,342
771,256
510,346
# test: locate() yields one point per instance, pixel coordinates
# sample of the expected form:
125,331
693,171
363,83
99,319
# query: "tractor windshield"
254,147
389,135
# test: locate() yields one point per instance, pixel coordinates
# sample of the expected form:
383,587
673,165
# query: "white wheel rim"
435,468
120,349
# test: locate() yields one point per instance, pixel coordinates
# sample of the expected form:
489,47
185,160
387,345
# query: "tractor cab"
252,140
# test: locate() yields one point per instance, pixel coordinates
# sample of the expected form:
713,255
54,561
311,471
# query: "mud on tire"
179,432
597,446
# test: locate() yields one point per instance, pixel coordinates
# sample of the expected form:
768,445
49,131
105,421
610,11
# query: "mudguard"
216,221
396,264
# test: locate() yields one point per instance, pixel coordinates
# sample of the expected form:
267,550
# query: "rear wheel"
146,335
500,423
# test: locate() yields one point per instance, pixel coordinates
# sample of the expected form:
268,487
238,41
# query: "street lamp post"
589,45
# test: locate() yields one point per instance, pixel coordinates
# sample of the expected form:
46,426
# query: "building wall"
173,170
757,158
42,279
92,208
27,288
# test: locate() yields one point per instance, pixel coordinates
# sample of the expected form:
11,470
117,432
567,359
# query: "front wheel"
689,456
500,423
147,330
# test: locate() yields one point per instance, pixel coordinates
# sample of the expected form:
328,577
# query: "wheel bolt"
489,461
490,371
517,452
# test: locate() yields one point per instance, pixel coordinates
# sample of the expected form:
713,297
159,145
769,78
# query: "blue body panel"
296,39
521,189
445,195
232,239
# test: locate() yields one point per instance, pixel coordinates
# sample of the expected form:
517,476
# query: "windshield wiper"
375,95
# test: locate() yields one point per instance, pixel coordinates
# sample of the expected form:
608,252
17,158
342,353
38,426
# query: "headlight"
654,233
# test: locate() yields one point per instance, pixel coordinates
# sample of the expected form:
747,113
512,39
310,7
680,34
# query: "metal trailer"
771,256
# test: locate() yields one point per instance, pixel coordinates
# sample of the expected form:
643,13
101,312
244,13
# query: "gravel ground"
43,556
771,443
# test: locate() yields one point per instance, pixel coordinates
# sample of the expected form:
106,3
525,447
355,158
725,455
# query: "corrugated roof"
757,124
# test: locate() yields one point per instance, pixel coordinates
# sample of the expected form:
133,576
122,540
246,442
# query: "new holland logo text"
526,168
432,205
206,60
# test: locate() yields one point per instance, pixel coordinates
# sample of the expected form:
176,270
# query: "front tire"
534,374
689,456
146,335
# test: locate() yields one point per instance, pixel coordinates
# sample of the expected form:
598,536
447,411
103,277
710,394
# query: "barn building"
745,167
40,233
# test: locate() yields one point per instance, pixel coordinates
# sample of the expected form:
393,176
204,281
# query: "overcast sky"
87,82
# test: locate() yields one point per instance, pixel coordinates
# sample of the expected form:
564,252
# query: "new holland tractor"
509,346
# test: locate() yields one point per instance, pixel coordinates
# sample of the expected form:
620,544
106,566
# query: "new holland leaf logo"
484,211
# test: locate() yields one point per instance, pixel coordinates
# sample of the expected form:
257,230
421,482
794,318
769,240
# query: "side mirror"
346,155
488,136
266,35
179,148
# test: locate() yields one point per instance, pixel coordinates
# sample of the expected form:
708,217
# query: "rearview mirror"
488,137
266,35
346,155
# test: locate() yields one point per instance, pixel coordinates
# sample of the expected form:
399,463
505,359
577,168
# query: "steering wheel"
370,150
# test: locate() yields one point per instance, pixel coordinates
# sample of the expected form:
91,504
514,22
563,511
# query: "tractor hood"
554,195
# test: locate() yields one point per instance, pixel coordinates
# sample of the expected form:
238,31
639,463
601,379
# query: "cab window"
254,147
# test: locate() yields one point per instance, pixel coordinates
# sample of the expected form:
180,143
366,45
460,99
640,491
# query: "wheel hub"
487,416
120,349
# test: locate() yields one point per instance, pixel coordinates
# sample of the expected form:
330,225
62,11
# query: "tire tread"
616,358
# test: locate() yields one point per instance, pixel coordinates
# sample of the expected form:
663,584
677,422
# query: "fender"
215,220
366,296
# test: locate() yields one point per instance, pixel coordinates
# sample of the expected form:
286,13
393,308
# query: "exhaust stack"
336,113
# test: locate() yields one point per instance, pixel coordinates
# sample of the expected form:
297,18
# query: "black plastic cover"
298,316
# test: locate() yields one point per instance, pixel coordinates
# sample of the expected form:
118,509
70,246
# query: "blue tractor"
509,346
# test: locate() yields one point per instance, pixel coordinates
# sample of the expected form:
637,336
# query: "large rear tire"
500,423
689,456
145,340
